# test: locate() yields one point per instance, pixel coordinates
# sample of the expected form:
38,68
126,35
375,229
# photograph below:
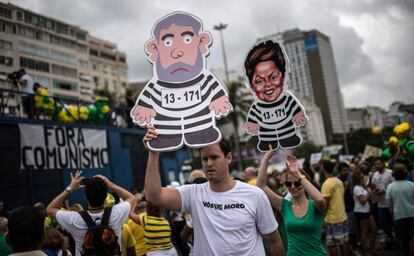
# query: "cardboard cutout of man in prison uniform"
276,114
183,99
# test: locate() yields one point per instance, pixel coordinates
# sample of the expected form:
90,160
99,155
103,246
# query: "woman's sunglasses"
289,184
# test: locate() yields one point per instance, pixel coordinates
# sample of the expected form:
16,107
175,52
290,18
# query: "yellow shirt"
138,233
127,239
334,189
252,182
157,232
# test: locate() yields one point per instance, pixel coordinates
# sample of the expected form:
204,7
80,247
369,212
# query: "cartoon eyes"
273,78
259,81
168,42
187,39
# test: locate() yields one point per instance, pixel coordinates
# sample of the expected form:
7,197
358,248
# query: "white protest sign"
62,147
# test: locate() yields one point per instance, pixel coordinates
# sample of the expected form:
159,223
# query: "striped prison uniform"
157,232
192,116
275,118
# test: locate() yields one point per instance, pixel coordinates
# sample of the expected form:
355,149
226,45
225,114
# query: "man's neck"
95,209
223,185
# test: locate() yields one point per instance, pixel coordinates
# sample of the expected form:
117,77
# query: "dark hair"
26,229
342,166
328,166
264,51
53,239
399,172
378,158
152,209
225,146
357,178
301,172
95,191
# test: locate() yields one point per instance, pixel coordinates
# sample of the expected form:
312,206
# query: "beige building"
63,57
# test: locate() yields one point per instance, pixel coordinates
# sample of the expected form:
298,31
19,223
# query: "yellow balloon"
377,130
393,140
105,109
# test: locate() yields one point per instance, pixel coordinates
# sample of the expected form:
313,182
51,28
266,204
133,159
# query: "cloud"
371,39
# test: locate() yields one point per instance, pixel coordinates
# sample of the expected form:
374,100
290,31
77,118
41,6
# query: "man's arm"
273,243
56,203
166,198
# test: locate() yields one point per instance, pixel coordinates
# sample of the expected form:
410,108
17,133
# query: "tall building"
313,75
63,57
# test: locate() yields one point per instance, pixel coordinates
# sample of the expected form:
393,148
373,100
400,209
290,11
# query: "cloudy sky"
372,40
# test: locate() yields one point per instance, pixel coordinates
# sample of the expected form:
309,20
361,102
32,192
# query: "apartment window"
81,36
5,45
65,85
6,61
34,64
96,80
33,49
49,24
64,71
106,83
63,57
20,16
93,52
84,64
122,59
81,48
6,27
108,56
5,13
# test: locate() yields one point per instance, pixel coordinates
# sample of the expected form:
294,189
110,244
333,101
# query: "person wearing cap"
230,217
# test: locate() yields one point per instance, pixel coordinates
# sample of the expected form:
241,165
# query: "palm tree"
241,99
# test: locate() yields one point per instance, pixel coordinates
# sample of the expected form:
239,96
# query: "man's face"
267,81
179,57
378,166
215,163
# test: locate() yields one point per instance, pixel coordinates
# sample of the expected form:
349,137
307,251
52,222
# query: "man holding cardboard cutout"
183,98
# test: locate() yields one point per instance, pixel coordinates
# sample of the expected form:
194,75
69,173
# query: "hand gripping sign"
183,99
276,114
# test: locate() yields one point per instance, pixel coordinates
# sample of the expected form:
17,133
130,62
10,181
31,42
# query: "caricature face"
267,81
179,53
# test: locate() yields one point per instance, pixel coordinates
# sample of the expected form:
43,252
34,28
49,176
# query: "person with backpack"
97,231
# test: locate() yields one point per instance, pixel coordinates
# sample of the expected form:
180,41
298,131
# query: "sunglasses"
296,184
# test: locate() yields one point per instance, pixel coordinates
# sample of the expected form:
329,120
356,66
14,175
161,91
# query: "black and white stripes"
182,107
275,119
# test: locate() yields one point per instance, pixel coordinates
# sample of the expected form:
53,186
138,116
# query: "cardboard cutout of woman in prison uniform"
276,114
183,99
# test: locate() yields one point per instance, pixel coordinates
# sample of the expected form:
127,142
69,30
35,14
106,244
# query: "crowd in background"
375,212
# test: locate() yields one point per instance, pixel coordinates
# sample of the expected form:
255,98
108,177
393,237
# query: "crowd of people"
331,209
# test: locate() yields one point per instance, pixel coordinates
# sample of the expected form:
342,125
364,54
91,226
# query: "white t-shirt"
73,223
29,84
228,223
381,181
359,207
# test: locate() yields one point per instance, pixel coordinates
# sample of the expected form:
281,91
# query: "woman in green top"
303,217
